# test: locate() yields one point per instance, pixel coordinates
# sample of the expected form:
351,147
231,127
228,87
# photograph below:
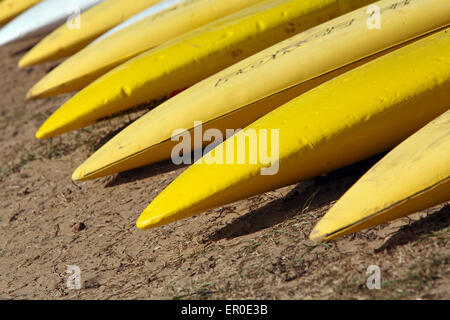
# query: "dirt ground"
253,249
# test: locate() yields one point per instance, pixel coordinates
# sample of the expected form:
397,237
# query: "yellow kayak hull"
413,176
358,114
66,40
98,58
190,58
240,94
9,9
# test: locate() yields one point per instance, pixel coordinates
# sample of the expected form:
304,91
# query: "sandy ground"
253,249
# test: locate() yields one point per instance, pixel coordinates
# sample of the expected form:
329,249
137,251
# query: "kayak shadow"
19,47
305,197
24,49
143,173
419,229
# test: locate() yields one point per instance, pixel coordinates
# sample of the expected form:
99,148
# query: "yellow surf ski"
242,93
349,118
190,58
9,9
70,38
98,58
412,177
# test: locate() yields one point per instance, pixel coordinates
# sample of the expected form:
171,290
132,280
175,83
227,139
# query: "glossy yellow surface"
98,58
240,94
412,177
65,41
190,58
9,9
349,118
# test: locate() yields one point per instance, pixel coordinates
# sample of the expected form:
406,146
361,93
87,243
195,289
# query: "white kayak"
160,6
42,18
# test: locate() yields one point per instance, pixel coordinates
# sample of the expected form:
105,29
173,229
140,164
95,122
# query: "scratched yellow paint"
248,96
98,58
412,177
65,41
9,9
240,94
358,114
190,58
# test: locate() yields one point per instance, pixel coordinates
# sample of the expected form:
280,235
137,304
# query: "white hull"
42,18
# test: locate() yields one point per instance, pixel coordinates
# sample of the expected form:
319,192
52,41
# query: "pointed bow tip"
32,57
42,134
142,223
24,63
83,173
78,175
317,236
31,94
149,219
41,90
39,135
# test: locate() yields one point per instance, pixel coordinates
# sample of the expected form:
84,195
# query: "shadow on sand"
143,173
421,228
303,198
